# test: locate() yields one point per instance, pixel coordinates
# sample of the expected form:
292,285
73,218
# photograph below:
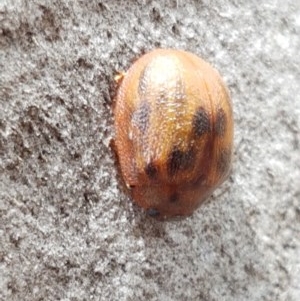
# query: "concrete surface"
67,232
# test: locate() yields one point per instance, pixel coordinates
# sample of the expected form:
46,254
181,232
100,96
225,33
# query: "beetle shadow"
144,225
149,227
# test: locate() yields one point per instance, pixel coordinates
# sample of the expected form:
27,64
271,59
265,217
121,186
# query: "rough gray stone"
67,231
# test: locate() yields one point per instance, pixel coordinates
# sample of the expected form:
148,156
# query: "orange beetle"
173,131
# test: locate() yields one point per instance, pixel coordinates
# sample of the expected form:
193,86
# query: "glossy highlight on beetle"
173,132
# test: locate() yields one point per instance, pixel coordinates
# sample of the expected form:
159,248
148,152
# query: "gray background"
67,231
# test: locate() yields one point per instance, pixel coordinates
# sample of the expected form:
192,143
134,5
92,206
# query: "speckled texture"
67,231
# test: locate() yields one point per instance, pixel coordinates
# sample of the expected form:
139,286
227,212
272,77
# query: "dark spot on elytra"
151,170
221,122
174,198
140,117
179,160
201,122
224,161
153,212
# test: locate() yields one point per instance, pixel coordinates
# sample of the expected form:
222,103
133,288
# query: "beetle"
173,124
